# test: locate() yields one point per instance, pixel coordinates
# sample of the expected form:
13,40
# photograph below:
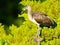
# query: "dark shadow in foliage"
20,6
39,0
42,1
19,21
34,0
9,12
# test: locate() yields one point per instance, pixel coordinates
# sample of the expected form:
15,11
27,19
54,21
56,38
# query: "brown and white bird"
39,18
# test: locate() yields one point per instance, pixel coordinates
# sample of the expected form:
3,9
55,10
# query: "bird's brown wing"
42,18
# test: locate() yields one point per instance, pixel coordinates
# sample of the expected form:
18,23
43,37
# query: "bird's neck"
29,15
29,12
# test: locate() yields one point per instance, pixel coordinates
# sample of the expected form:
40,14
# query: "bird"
39,18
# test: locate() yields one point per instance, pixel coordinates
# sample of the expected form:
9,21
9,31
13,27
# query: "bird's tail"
54,25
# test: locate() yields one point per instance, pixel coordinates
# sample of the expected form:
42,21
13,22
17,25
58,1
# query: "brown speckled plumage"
42,19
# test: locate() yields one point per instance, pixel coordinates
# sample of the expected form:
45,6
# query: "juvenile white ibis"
39,18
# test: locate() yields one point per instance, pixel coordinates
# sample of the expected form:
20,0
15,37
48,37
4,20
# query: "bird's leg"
38,35
37,38
38,32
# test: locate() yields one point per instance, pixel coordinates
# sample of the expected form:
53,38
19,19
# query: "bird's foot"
39,39
36,38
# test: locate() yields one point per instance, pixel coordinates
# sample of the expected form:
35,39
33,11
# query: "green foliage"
22,35
3,42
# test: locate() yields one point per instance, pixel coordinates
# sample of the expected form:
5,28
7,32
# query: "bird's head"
28,8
